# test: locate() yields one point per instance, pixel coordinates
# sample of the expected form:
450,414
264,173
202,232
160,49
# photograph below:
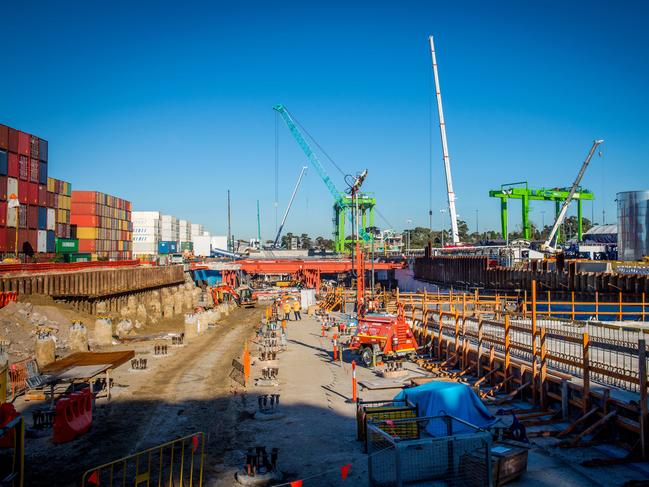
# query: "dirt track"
186,392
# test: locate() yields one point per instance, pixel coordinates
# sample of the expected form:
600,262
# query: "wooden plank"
115,359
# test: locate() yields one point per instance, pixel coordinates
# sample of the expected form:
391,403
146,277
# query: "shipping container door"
42,173
41,243
42,218
43,150
23,192
12,165
4,162
51,242
4,140
23,143
51,219
23,167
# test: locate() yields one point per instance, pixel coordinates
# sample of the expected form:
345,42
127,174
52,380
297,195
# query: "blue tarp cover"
436,398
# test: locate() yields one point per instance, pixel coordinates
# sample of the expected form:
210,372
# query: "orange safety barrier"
73,416
18,375
7,297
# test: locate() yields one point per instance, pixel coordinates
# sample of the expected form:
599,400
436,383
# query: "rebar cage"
435,450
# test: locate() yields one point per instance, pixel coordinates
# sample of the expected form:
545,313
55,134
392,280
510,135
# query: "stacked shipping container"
23,173
146,233
104,226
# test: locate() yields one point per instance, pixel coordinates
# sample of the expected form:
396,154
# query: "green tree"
286,240
305,241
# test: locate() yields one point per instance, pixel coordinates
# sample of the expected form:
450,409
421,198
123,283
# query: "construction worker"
287,310
296,309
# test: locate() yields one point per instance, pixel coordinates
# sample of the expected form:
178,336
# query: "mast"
447,161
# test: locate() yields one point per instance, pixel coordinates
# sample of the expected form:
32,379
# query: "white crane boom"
562,213
447,162
288,208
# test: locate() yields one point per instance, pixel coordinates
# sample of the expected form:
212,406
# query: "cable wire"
344,174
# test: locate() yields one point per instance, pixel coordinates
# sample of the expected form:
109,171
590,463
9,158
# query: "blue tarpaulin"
455,399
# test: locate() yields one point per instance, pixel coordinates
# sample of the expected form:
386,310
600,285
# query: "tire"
366,356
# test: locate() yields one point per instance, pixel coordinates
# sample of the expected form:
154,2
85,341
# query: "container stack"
59,202
146,233
23,173
169,236
185,235
104,226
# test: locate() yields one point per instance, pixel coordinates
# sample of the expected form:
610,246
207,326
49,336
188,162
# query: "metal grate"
445,451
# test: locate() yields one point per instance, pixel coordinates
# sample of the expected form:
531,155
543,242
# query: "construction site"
138,348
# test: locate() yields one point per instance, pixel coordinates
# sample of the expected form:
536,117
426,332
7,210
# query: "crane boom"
562,213
290,203
447,162
313,158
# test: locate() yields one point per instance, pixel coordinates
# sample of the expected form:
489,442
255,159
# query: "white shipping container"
219,242
197,229
12,187
11,217
202,246
41,241
145,215
51,219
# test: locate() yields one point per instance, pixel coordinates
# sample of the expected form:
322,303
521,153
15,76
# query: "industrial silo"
633,225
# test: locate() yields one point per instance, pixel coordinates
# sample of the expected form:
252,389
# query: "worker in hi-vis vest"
296,309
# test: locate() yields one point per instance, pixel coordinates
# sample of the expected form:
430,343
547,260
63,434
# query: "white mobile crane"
288,208
548,245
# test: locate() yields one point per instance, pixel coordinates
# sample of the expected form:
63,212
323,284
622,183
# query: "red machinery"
243,295
381,337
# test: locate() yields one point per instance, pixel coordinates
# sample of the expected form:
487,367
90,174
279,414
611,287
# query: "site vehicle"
383,337
243,295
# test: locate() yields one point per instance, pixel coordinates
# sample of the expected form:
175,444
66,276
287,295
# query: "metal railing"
176,463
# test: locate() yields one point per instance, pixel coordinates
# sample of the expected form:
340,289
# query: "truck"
381,337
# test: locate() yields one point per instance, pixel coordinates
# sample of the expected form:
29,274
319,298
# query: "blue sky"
169,104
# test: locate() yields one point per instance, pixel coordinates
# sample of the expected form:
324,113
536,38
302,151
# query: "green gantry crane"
342,202
522,192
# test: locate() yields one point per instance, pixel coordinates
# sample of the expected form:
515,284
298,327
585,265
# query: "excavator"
243,295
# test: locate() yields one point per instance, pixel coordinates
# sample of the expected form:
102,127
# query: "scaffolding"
521,191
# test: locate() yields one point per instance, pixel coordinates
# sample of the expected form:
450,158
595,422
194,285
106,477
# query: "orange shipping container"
84,220
84,197
84,208
87,245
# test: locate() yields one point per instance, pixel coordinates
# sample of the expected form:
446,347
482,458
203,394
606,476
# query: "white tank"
632,225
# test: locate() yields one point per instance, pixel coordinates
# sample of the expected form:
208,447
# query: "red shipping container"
22,216
84,220
4,239
23,192
32,217
84,197
42,195
33,170
23,143
12,169
50,200
3,189
23,167
32,193
86,245
13,140
4,137
84,208
32,236
3,215
34,146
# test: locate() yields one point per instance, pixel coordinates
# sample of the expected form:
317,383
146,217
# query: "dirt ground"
185,392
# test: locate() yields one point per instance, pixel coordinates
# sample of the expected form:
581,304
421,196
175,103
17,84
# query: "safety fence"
428,451
23,375
66,266
177,463
7,297
12,453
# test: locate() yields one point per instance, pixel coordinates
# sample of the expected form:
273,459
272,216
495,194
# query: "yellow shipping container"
51,185
87,232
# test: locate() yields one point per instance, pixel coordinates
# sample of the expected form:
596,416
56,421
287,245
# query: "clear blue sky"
168,104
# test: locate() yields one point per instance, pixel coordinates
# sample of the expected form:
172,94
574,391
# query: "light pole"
408,222
477,226
442,211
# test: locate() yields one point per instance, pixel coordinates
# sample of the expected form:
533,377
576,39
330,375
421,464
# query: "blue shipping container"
167,247
51,241
42,150
42,175
42,218
3,162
